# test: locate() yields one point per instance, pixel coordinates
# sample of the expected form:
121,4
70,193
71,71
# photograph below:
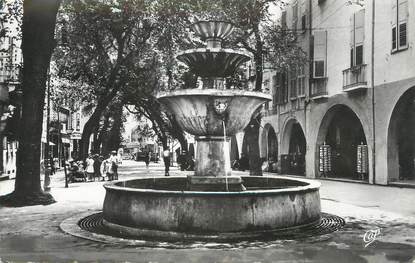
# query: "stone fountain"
211,203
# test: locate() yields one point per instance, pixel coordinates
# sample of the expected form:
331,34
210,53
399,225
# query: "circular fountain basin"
161,207
194,109
218,62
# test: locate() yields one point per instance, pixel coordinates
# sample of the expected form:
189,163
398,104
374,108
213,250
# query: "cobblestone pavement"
33,234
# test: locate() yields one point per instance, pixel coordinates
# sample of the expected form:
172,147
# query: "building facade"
10,63
349,113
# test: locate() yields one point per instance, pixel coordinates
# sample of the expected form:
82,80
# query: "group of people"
96,167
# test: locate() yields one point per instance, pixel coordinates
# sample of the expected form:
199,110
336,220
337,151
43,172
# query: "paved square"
380,227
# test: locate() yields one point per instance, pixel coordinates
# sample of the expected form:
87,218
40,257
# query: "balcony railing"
355,78
319,88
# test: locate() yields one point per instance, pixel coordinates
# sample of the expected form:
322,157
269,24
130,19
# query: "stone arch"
269,143
286,134
401,138
293,148
342,129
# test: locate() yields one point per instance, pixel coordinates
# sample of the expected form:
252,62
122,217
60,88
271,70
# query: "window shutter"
403,22
359,27
303,16
352,37
320,53
284,19
295,16
359,36
394,25
275,90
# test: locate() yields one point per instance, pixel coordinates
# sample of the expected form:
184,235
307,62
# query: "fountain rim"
214,93
214,50
213,20
311,186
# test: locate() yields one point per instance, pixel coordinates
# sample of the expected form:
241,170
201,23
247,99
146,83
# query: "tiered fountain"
212,203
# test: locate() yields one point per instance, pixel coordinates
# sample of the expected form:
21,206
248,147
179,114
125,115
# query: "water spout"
226,155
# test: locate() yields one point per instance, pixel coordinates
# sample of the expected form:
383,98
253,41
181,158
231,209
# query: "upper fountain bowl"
212,29
201,112
215,62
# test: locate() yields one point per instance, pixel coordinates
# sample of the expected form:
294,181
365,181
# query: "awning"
66,140
44,141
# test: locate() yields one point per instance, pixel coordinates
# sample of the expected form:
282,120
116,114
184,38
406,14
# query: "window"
399,25
357,36
320,54
293,84
303,16
295,16
78,121
281,91
284,19
303,22
275,90
301,81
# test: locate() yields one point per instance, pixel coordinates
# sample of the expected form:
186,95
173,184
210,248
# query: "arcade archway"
272,145
401,139
294,149
342,131
269,144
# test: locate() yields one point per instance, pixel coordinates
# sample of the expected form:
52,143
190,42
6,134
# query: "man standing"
166,159
114,160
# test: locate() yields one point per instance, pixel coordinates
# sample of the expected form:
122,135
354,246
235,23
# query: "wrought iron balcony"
318,88
354,78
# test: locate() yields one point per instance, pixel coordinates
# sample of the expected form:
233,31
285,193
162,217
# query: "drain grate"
327,224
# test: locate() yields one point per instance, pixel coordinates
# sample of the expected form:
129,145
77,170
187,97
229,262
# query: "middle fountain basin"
194,109
162,204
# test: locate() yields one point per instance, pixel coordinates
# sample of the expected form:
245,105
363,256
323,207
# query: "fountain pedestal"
212,156
213,166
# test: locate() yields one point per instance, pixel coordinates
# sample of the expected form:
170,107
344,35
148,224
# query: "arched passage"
269,144
192,150
342,130
401,139
294,147
234,151
272,145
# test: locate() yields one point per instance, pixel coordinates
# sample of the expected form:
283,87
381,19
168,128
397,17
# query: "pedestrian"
103,169
89,168
108,168
97,167
52,166
147,159
166,159
114,163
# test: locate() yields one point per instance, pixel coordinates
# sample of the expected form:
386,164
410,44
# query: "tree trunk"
101,134
178,133
113,137
90,126
39,18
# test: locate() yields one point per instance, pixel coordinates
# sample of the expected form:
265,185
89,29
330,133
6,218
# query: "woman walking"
89,169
